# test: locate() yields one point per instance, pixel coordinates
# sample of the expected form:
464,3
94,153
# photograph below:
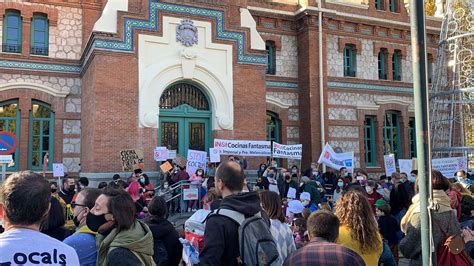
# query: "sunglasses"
74,205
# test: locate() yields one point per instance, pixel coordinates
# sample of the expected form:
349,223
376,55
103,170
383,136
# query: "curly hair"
355,212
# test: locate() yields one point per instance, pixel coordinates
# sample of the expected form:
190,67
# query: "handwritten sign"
132,159
390,166
166,167
172,154
196,159
190,194
406,166
215,155
160,154
58,170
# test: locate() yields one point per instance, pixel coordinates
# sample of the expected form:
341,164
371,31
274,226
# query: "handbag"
451,251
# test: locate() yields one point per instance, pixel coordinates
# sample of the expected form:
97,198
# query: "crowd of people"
295,217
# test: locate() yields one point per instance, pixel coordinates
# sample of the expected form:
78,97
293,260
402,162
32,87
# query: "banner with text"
449,166
287,151
196,159
390,166
243,147
405,165
336,160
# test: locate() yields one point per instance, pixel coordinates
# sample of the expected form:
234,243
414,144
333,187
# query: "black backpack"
160,255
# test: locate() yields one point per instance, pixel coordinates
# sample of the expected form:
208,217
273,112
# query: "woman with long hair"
358,230
281,232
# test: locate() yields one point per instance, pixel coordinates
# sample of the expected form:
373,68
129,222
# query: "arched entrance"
184,121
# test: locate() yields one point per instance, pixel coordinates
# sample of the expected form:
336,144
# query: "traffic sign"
8,143
6,159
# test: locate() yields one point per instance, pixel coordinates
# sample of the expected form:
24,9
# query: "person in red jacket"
372,195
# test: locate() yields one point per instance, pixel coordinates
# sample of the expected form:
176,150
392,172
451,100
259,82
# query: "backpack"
451,251
194,229
256,243
160,255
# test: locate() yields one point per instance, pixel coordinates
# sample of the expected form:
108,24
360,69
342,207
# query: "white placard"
6,158
287,151
337,160
196,159
215,155
190,194
172,154
405,165
160,154
390,166
449,166
243,147
58,170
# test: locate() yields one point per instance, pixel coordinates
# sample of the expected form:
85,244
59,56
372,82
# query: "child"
305,198
388,226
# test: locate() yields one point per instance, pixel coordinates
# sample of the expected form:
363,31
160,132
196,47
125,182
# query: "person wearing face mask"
54,189
121,239
409,185
372,194
196,180
82,183
305,198
261,169
67,191
145,183
311,186
399,199
83,240
287,184
340,188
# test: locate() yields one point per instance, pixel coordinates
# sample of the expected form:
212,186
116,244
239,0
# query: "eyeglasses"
73,205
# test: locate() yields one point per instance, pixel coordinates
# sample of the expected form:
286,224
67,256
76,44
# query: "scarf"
441,202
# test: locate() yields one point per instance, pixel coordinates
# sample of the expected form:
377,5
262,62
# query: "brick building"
83,79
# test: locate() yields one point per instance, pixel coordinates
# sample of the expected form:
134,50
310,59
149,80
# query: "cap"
380,202
305,196
295,207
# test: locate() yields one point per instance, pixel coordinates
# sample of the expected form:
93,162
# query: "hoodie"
133,246
165,232
221,237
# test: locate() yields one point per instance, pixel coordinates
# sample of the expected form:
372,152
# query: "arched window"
184,93
12,32
271,57
39,35
382,64
391,134
349,60
41,133
396,65
10,121
273,127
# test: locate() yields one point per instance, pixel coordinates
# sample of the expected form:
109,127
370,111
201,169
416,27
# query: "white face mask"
369,189
305,202
378,212
411,178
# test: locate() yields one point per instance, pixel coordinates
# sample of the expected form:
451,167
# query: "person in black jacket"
54,225
164,233
221,237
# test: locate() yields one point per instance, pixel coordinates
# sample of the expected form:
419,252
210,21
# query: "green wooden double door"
180,133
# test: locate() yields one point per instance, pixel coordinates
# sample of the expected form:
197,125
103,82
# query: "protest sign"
243,147
132,159
190,194
390,166
166,167
58,170
287,151
405,166
160,154
215,155
337,160
172,154
196,159
449,166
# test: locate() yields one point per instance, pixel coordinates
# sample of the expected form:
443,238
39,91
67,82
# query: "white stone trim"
108,20
158,69
393,100
247,21
361,6
368,107
275,101
33,86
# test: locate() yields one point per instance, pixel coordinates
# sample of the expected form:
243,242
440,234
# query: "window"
412,137
369,140
12,32
349,60
41,136
39,35
379,4
391,134
396,64
382,64
430,68
273,127
393,5
270,47
10,121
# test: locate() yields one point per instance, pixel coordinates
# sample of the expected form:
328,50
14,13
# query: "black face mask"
270,175
95,221
288,178
53,190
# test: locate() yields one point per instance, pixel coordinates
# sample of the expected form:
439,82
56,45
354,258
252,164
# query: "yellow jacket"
347,241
